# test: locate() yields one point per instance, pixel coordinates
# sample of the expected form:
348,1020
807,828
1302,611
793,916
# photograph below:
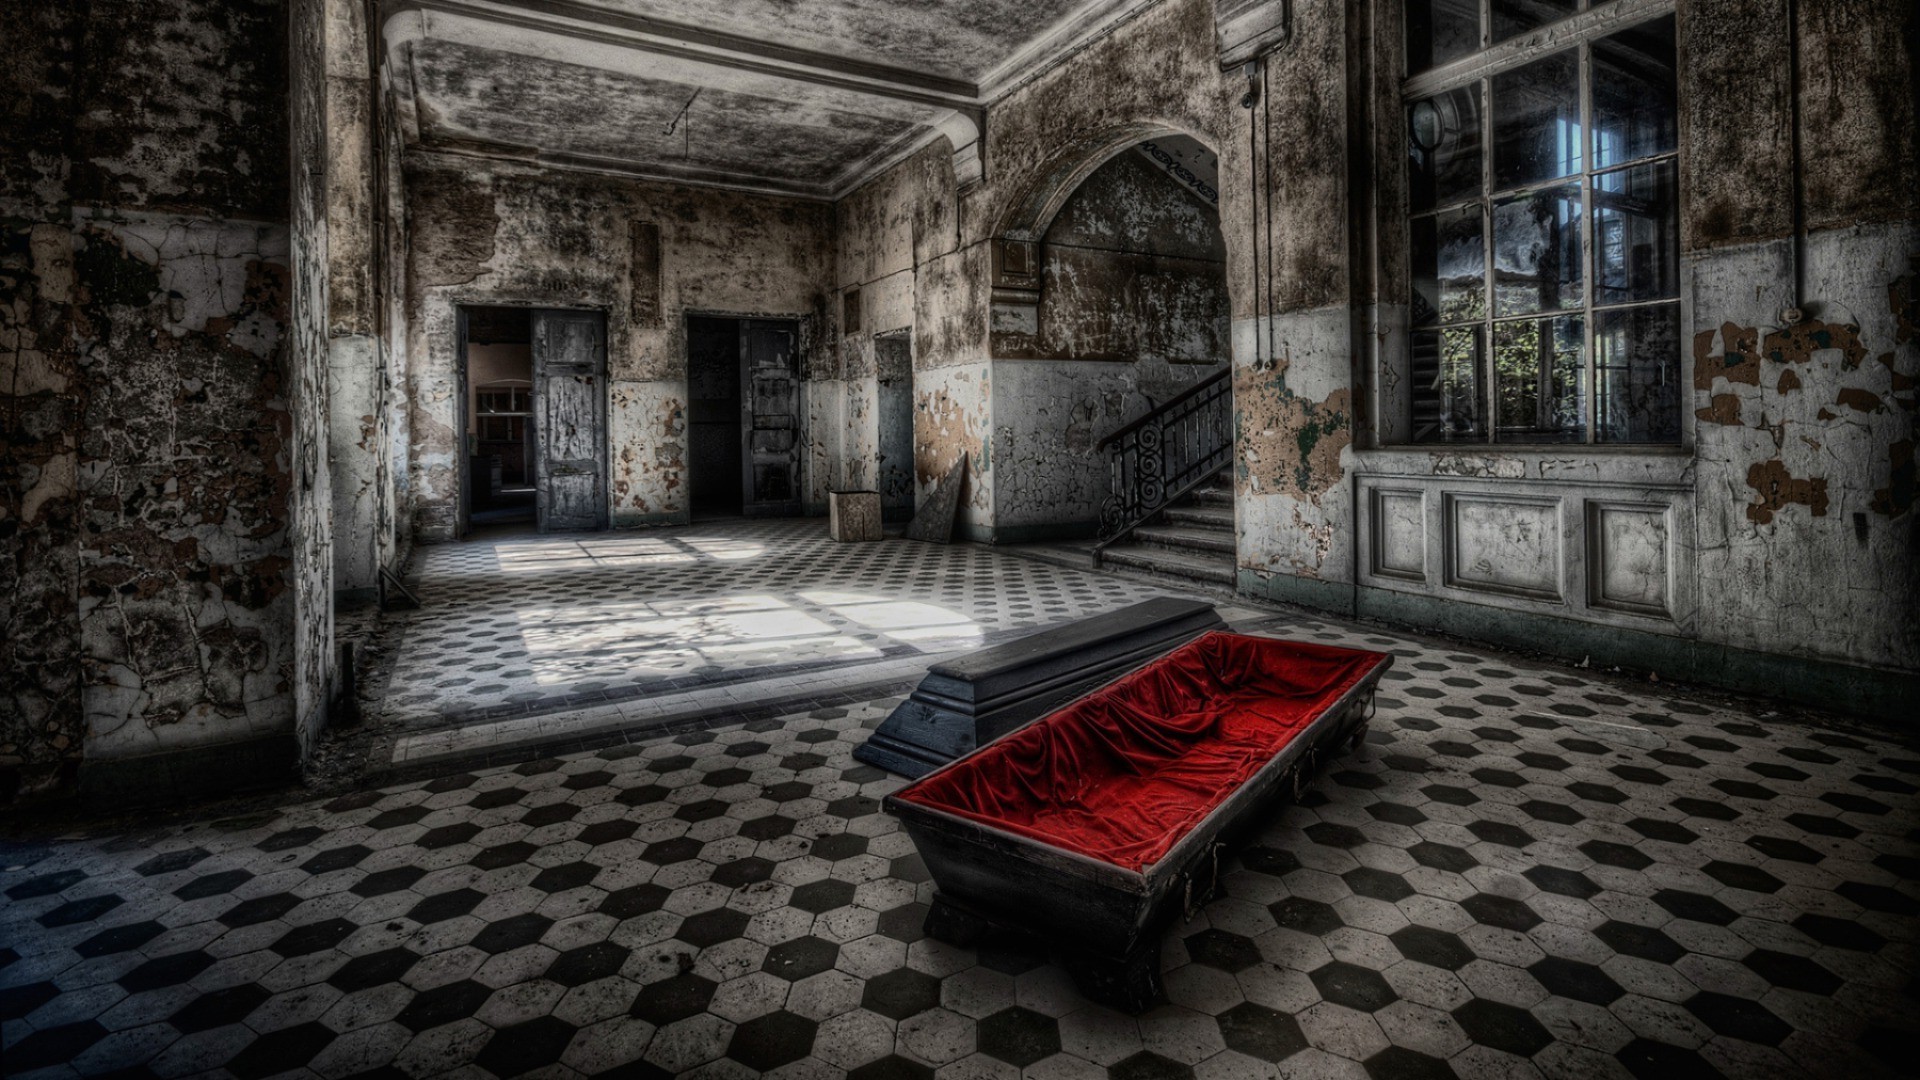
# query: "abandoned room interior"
959,538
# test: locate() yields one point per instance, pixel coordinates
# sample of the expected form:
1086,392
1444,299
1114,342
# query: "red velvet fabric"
1123,773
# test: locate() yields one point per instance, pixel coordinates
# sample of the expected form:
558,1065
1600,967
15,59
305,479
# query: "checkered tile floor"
1525,871
527,625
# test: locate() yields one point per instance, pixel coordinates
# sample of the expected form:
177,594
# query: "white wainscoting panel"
1599,551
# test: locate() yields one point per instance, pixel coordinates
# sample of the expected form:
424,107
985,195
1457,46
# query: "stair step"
1180,564
1210,496
1204,517
1189,539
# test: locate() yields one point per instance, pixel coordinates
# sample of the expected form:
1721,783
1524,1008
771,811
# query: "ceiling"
797,97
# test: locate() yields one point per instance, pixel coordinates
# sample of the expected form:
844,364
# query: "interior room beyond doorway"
500,423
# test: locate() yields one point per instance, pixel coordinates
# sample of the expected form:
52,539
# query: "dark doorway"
743,405
533,398
713,417
893,356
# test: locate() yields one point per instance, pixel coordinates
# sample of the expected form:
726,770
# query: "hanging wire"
686,133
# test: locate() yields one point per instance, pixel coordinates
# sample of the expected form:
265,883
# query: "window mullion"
1489,394
1590,380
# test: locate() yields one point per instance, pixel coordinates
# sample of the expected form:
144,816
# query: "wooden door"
570,420
894,359
770,417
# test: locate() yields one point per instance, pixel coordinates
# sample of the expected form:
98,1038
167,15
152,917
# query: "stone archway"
1110,296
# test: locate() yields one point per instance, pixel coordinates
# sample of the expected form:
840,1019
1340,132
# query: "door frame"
463,422
463,409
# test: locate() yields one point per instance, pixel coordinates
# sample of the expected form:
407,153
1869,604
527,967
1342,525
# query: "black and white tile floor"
521,626
1525,871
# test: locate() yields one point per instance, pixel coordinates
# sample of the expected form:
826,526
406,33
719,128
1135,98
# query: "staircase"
1169,507
1190,539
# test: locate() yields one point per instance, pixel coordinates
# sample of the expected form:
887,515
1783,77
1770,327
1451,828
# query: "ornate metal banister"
1165,454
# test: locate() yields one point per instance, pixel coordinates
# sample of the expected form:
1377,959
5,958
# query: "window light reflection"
629,639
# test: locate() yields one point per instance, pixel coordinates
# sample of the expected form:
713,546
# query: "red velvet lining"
1121,774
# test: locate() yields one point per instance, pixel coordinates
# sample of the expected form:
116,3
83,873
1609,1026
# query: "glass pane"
1439,31
1446,385
1536,252
1536,121
1449,268
1512,17
1443,147
1636,234
1634,105
1536,371
1636,356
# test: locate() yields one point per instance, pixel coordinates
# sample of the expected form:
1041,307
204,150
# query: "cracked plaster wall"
1133,310
1804,434
1795,526
154,498
919,252
900,258
1295,416
360,198
502,234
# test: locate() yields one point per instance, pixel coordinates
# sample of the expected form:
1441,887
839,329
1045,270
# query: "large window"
1543,222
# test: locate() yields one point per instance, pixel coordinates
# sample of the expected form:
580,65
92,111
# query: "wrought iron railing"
1165,454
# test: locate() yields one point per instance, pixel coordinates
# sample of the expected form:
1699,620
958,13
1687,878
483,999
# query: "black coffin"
968,702
1107,920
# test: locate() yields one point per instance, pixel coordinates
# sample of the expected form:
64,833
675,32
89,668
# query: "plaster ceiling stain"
472,93
958,39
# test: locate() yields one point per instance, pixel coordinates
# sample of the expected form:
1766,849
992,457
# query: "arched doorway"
1110,300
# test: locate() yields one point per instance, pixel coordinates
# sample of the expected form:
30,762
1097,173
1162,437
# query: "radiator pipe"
1795,310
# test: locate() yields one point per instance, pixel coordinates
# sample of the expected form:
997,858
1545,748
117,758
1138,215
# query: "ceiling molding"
962,130
1074,33
590,35
467,22
507,154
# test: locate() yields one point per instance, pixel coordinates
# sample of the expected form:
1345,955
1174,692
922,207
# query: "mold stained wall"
910,242
1804,435
1794,529
1132,310
491,233
158,535
901,266
1294,343
360,198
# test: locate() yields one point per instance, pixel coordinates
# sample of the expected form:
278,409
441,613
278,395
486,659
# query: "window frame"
1578,32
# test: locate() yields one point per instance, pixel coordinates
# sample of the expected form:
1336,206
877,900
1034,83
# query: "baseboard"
1333,596
640,521
1827,684
1050,533
195,773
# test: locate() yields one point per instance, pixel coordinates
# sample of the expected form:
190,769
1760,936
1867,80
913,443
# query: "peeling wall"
310,503
1132,310
1783,526
1295,414
1804,442
362,266
902,262
919,252
154,493
501,234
